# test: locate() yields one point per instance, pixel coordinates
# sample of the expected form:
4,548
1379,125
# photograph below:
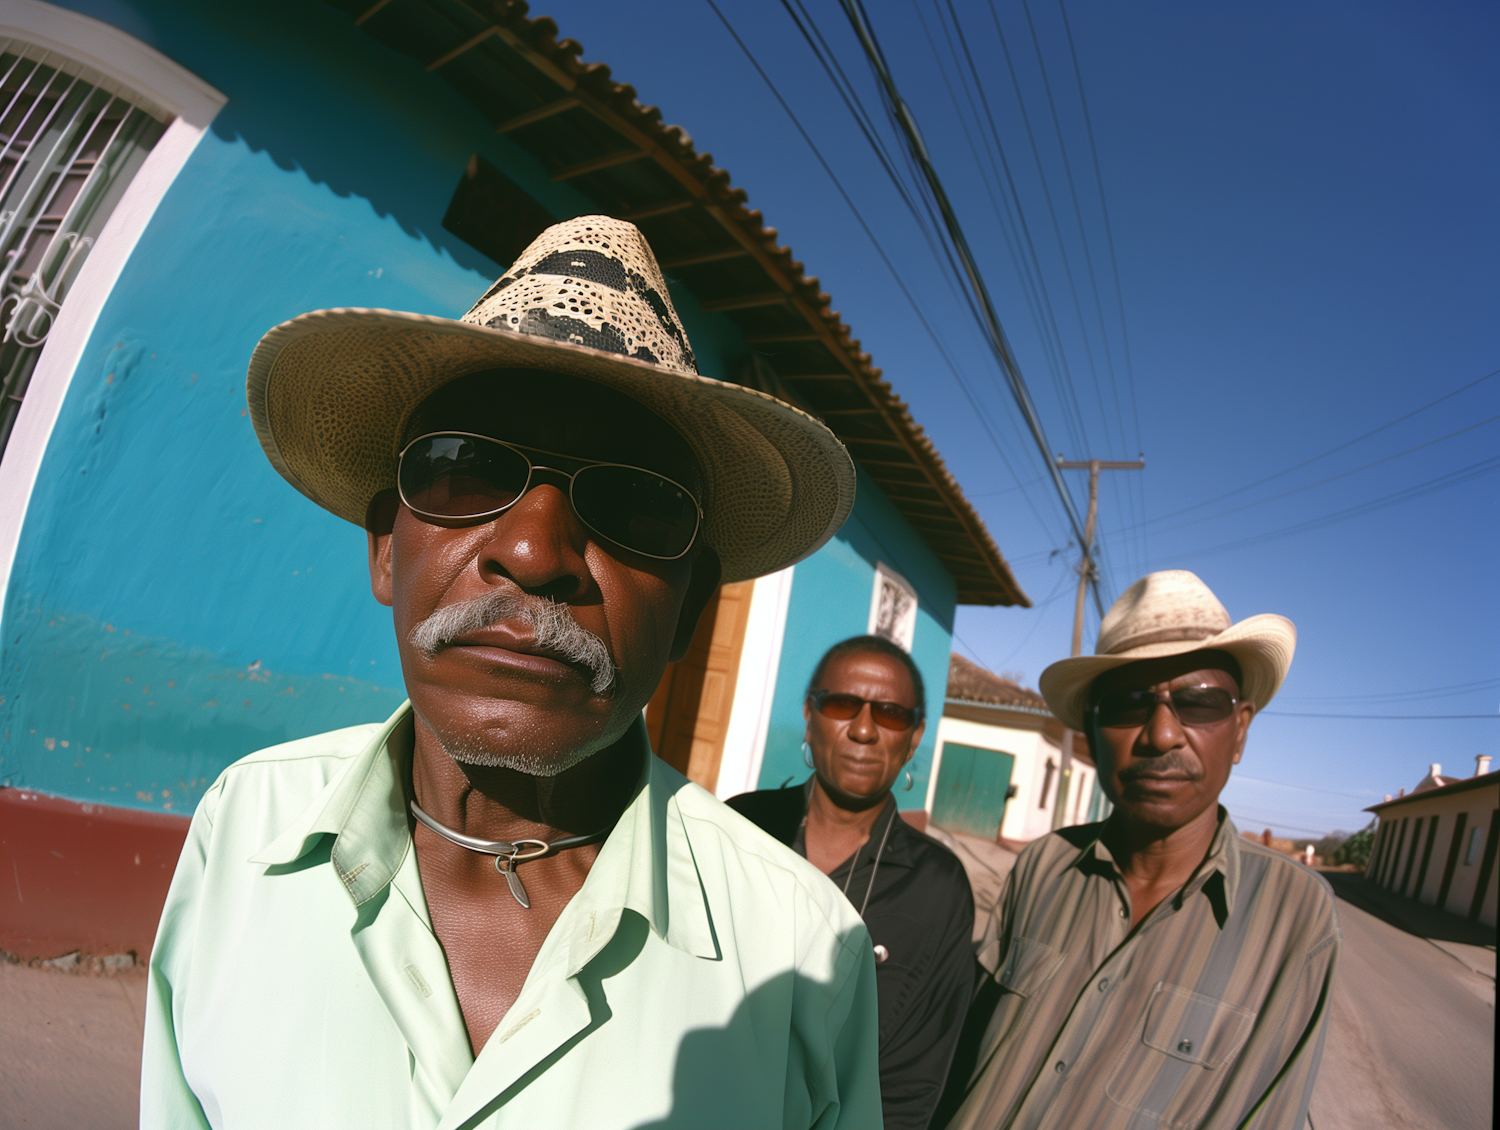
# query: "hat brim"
330,393
1262,645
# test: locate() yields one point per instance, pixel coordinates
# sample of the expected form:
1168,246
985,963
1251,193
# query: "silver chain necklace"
849,878
509,853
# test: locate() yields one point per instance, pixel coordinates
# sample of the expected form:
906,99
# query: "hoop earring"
807,755
909,782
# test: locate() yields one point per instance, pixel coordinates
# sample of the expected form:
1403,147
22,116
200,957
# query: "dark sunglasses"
1194,706
843,707
456,479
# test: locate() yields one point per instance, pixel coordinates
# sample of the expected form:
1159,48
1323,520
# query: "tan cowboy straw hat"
330,392
1169,613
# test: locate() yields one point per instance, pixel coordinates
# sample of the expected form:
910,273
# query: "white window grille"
893,607
70,141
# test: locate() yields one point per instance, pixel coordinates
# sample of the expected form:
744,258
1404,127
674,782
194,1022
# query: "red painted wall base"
93,877
85,877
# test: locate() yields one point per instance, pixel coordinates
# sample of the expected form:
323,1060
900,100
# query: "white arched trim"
192,104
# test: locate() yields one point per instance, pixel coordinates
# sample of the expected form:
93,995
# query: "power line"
1033,285
1278,824
879,248
1453,478
1321,482
1238,776
1109,234
1330,451
1410,696
1013,226
965,645
999,344
1088,260
1052,596
1385,717
1135,544
850,97
1008,490
1067,394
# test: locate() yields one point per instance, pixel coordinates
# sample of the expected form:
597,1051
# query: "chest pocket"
1028,966
1195,1028
1174,1071
1024,973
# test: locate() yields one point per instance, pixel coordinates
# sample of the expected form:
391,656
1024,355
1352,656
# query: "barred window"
70,142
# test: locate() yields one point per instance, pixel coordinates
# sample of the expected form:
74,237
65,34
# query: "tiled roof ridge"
969,682
540,34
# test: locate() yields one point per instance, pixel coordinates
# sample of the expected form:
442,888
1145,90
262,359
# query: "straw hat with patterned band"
1169,613
331,392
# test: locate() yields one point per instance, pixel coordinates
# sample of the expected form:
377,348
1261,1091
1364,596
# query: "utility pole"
1086,572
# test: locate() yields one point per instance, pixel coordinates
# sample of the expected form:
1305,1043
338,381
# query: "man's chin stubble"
465,751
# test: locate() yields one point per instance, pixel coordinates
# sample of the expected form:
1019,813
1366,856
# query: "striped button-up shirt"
1210,1013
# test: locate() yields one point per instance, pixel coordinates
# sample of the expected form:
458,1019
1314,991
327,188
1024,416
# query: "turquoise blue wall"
174,604
830,601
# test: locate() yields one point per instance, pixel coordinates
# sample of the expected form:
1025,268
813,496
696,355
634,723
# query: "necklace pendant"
506,865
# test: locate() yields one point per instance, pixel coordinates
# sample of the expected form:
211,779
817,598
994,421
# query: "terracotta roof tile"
969,682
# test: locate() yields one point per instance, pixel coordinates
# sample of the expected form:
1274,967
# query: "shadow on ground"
1408,914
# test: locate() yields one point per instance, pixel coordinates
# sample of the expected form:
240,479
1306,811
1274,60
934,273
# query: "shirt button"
1060,1067
1124,913
1103,984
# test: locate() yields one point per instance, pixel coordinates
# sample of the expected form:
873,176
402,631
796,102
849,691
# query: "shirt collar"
1218,876
646,865
364,806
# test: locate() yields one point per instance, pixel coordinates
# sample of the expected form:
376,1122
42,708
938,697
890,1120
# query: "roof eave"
590,87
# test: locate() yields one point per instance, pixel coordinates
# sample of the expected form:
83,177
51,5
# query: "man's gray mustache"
1166,764
552,625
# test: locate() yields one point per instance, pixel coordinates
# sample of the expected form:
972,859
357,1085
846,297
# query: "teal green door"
971,788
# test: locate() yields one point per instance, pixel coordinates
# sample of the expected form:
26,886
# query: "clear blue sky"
1302,203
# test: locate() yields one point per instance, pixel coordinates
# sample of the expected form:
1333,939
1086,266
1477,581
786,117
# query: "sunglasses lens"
839,707
456,477
842,707
1125,708
892,715
1201,706
636,509
1194,706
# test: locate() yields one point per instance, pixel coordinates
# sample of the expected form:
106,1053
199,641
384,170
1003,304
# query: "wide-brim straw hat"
1170,613
331,392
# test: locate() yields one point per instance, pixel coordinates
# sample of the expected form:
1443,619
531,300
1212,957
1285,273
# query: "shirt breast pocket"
1177,1066
1024,973
1027,967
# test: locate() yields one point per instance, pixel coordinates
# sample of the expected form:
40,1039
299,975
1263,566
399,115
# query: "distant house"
998,759
180,175
1437,844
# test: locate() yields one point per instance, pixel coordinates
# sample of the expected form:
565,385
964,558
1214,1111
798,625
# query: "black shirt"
921,912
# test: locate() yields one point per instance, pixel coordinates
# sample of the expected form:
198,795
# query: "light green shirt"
704,975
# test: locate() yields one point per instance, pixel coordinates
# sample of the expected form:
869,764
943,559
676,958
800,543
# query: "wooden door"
971,790
688,716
